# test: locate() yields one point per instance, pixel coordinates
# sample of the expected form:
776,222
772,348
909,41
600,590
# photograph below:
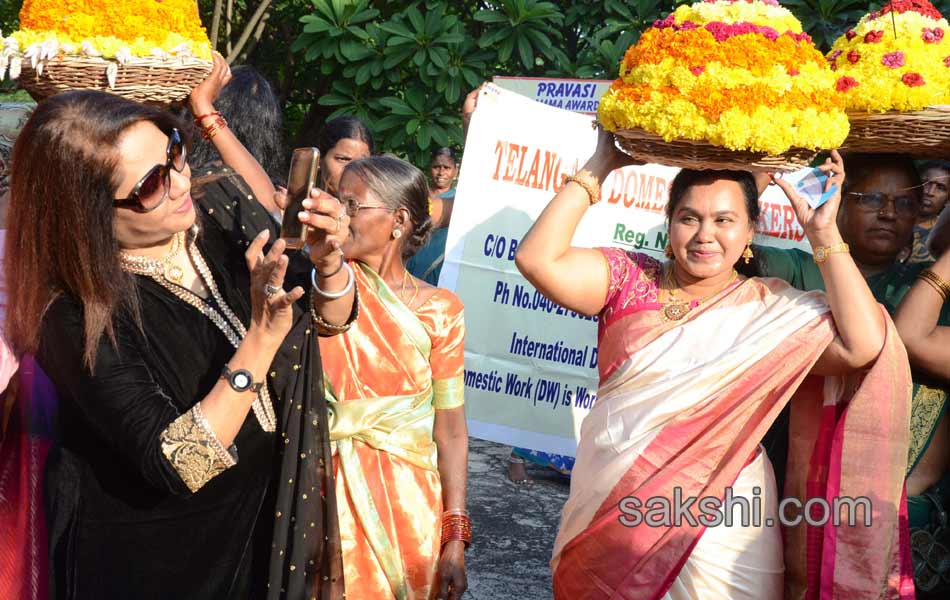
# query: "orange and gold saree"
385,379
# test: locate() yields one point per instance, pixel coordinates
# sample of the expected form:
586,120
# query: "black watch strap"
241,380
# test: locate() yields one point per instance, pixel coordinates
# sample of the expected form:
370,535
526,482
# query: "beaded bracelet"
587,181
330,328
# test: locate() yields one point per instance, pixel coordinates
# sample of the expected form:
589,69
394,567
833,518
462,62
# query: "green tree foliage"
404,67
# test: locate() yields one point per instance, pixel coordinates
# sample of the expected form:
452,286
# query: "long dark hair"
688,178
397,184
61,240
254,114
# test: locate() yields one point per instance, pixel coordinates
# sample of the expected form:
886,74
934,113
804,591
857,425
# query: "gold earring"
397,233
747,254
668,251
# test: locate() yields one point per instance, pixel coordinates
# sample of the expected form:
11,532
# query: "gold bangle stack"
938,283
586,180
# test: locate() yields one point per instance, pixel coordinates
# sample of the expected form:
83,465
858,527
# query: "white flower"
39,68
11,44
33,53
68,48
15,67
89,50
159,53
124,55
4,61
182,50
49,49
111,72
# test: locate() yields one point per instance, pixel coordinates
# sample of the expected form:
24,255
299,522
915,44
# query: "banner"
530,365
575,95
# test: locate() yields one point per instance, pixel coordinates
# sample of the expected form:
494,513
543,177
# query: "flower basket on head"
893,70
153,52
725,84
690,154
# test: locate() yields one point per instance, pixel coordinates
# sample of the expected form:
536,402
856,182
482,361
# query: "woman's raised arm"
575,278
928,344
857,315
232,151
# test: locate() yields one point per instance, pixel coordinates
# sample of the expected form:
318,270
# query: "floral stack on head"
895,58
124,31
740,74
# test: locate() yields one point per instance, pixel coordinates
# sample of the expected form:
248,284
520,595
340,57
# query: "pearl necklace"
218,312
164,267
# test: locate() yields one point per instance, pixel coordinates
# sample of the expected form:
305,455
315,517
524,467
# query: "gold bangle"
327,329
939,283
821,252
586,180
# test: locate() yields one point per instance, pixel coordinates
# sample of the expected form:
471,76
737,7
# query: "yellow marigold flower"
109,25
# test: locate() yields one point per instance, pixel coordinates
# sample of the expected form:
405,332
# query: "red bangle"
456,527
210,114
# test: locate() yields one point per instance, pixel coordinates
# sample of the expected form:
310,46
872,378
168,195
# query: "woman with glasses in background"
179,360
395,390
881,204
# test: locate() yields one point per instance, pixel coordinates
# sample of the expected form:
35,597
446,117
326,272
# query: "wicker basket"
689,154
149,80
924,133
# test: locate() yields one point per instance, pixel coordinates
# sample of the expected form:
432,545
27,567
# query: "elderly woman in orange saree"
394,381
695,363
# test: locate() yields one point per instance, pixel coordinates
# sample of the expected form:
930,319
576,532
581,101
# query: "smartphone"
811,187
304,166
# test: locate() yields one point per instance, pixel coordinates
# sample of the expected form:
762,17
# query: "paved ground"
513,527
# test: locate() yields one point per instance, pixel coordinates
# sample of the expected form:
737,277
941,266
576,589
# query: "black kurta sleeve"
175,452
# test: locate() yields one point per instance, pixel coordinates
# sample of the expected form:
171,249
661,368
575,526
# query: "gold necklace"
674,310
164,267
405,278
218,312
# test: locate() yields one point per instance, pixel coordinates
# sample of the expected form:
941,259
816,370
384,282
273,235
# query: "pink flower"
893,60
853,56
834,66
835,55
938,32
697,70
846,83
793,72
850,34
946,62
667,22
873,37
930,35
913,79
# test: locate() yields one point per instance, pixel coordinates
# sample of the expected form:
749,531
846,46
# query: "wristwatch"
821,252
241,380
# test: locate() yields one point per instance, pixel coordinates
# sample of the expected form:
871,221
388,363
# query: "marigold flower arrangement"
896,58
739,74
119,30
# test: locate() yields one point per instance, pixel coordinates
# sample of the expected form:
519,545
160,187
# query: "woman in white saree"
695,363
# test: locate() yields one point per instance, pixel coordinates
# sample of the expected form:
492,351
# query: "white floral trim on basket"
40,54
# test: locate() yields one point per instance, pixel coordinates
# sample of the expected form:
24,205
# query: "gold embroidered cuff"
448,393
194,451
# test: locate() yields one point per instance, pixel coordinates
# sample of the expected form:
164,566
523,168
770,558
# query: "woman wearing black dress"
185,372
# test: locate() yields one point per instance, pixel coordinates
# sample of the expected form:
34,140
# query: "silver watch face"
241,380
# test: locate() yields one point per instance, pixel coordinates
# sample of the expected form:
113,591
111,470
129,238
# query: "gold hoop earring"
747,253
668,251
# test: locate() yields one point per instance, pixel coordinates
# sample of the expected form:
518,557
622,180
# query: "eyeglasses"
353,208
152,189
905,206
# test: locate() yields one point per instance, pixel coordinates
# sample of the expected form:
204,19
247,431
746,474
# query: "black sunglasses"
152,189
906,206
